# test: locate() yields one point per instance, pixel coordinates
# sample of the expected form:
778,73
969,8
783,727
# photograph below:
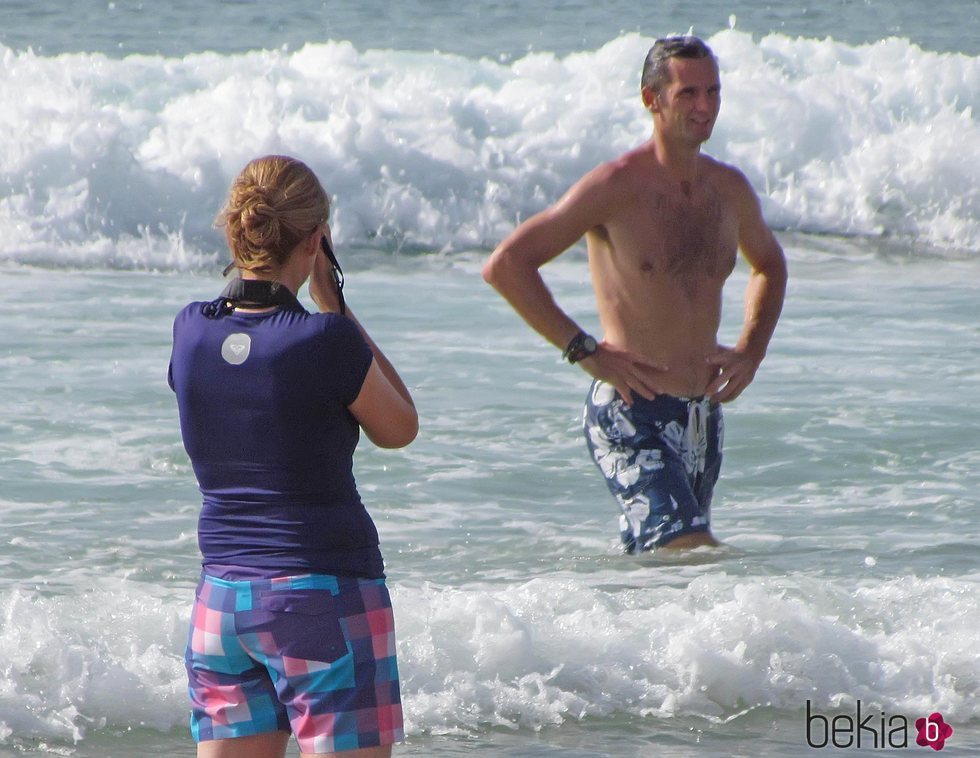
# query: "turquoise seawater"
848,500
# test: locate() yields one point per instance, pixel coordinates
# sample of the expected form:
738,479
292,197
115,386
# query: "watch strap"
581,346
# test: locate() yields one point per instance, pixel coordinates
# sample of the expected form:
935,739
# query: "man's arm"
513,270
763,299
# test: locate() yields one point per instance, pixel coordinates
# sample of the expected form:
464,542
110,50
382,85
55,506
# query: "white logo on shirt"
236,348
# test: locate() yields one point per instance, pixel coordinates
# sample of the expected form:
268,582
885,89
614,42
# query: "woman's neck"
283,276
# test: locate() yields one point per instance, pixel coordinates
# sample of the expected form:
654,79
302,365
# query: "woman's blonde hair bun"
274,204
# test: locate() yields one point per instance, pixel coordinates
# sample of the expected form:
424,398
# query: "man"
662,224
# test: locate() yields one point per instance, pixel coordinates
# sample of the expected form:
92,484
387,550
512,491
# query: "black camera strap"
251,293
336,270
260,293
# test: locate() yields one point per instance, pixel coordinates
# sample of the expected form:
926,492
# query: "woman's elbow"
397,433
408,431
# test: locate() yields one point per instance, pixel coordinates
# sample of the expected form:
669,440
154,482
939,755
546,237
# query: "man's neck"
680,162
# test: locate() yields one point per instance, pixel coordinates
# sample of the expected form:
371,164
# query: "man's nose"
705,101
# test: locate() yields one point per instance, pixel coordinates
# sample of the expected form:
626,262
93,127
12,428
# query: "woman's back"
263,408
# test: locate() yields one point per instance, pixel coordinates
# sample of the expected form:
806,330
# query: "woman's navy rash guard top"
263,403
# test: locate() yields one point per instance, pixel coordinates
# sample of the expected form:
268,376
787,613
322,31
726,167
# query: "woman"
292,628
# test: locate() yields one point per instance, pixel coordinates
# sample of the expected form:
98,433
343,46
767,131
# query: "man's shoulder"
622,172
724,173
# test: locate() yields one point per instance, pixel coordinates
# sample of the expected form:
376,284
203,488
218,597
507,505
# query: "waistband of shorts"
242,595
681,402
297,582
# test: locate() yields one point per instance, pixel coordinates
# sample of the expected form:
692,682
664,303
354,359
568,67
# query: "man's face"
686,108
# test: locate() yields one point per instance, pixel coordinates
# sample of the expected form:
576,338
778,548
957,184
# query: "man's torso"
658,267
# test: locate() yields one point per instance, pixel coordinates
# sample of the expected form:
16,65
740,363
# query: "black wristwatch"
582,346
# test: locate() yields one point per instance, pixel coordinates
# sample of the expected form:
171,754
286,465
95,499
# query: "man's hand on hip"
626,371
736,370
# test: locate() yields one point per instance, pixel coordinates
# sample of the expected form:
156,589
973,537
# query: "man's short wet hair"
656,72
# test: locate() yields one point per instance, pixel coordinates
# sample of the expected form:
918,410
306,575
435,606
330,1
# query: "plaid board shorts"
314,654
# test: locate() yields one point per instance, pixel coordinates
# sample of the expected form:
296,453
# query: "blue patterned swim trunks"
661,459
312,654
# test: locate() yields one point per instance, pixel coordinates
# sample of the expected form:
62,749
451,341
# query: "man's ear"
650,100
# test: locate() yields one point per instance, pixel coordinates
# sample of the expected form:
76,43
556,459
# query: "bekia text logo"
873,730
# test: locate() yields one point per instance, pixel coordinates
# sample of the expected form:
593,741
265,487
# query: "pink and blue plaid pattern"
313,654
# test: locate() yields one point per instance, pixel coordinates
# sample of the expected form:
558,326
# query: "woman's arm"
384,406
387,417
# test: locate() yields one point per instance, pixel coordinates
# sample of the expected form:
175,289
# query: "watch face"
582,346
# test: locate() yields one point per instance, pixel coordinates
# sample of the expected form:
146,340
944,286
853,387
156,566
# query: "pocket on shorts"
299,623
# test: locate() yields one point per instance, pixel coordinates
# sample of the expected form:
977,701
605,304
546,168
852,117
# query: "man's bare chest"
692,240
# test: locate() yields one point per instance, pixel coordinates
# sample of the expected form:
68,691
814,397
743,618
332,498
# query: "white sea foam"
83,661
123,163
532,654
553,650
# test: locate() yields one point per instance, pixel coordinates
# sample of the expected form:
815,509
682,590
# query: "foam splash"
530,655
71,664
123,163
551,651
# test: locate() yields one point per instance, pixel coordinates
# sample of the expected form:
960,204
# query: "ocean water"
848,502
